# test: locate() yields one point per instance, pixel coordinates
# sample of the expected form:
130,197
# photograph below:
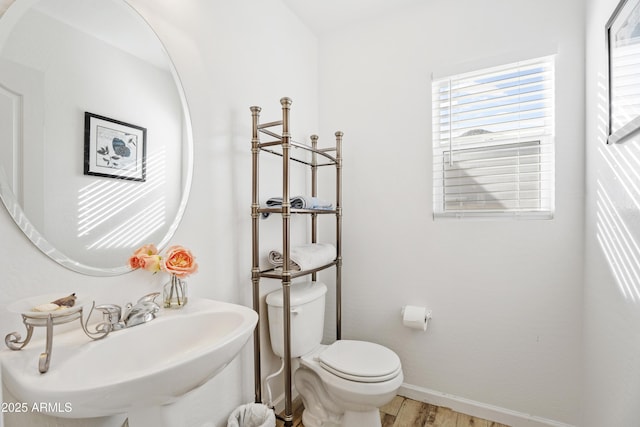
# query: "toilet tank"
307,318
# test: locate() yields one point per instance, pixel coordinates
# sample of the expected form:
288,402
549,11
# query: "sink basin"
137,368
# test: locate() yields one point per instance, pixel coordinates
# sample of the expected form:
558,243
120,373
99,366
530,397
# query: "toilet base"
322,410
349,419
369,418
310,420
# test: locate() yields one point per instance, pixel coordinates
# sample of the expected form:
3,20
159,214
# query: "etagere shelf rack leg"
255,264
339,136
314,192
286,252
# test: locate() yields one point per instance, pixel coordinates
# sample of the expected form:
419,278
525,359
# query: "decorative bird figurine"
68,301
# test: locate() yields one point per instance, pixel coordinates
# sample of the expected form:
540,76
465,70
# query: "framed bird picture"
114,149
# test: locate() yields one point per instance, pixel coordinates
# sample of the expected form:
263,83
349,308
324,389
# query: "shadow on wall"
618,203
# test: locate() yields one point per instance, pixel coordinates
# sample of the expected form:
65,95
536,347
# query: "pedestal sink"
133,370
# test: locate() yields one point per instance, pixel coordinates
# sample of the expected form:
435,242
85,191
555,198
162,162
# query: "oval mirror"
95,133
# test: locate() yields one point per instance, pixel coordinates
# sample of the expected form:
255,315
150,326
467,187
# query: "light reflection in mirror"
102,201
133,233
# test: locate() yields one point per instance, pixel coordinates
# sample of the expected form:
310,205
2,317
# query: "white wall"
611,310
506,295
230,55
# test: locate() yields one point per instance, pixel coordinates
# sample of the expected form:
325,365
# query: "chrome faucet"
143,311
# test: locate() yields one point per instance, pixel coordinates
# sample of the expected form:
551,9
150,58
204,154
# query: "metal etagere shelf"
282,145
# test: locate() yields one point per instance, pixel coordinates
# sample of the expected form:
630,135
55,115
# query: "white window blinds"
493,144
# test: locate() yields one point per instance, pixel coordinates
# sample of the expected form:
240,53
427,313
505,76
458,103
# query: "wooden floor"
405,412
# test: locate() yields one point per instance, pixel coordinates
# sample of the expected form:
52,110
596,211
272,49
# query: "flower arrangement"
178,261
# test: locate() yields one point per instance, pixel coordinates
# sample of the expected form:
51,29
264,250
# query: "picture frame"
623,50
114,149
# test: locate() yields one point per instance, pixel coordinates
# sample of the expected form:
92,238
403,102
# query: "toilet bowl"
345,393
341,384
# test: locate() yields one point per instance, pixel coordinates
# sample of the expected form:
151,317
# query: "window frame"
485,141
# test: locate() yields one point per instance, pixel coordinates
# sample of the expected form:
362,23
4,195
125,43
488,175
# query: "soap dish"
47,319
25,306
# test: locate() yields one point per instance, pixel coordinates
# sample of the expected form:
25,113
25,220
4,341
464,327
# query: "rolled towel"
305,257
299,202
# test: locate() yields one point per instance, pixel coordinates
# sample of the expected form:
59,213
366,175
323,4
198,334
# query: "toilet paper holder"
417,318
428,312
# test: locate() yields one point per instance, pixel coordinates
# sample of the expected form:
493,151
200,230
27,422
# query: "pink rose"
134,262
152,263
137,259
179,261
147,250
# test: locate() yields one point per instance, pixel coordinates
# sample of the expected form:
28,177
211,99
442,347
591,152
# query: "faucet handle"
149,297
127,311
109,309
111,313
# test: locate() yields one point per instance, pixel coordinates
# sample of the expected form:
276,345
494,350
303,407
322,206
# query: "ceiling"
323,16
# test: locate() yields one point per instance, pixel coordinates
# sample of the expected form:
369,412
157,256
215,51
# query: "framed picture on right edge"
623,45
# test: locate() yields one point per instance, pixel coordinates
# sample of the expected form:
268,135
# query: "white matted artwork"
114,149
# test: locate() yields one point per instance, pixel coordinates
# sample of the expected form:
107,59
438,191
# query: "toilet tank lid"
300,293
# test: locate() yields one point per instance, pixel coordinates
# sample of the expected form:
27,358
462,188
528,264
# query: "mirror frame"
8,19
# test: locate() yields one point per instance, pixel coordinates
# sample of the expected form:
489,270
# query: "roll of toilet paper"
415,317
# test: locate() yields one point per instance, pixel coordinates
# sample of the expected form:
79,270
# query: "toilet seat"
360,361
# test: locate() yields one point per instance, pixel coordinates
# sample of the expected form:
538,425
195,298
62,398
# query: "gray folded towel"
299,202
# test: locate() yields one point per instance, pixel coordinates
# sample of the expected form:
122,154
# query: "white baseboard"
476,409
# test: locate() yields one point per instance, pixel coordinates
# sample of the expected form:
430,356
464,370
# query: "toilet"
342,384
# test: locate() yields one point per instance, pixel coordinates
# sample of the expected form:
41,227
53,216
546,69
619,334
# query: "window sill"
492,216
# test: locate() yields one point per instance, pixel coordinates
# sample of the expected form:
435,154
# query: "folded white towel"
305,257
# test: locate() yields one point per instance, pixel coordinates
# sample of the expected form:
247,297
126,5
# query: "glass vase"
174,293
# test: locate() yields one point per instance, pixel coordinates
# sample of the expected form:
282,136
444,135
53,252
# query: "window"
493,142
